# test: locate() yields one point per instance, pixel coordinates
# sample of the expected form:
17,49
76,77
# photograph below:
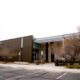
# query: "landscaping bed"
74,66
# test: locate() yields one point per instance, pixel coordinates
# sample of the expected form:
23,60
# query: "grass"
74,66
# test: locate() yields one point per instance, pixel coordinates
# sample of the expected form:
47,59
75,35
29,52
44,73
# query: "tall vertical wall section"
15,45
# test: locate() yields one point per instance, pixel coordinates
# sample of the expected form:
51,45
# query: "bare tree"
72,49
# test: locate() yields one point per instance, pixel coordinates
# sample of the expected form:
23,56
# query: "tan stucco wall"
49,51
56,49
42,48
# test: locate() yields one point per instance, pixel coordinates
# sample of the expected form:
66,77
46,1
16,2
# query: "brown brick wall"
12,45
27,49
15,46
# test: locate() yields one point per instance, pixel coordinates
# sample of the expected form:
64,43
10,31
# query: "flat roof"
48,39
54,38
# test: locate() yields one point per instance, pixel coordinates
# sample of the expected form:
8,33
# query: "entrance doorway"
51,52
46,50
52,57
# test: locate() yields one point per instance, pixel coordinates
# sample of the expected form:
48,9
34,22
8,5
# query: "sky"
40,18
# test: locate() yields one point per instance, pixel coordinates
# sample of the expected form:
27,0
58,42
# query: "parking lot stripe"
61,76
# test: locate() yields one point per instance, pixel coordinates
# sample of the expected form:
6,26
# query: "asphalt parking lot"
7,73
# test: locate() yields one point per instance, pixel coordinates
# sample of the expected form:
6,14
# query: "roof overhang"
54,38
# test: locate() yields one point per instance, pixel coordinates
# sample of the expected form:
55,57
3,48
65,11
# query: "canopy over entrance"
53,38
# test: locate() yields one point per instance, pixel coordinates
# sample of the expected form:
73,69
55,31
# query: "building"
54,47
30,49
22,47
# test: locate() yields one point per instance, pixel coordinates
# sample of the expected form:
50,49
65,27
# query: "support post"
49,53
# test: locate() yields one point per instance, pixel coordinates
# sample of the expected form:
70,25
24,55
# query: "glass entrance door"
35,52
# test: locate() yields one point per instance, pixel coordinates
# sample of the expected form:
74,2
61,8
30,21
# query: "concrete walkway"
46,67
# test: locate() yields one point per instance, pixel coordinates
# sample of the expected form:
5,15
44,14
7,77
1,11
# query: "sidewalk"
46,67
